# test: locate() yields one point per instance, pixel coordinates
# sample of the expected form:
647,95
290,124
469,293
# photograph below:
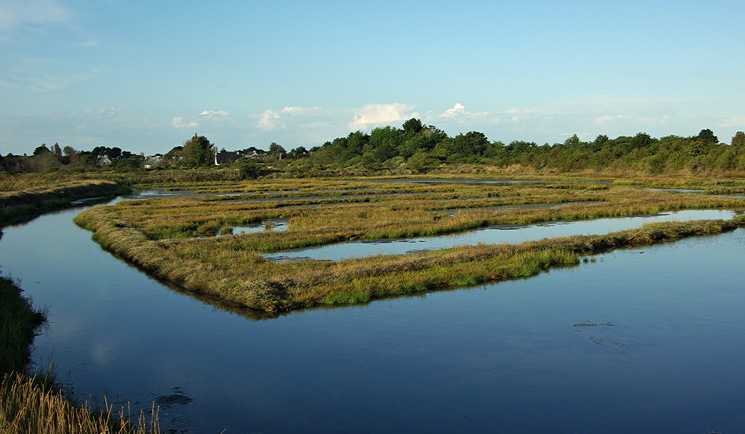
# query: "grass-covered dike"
21,205
162,236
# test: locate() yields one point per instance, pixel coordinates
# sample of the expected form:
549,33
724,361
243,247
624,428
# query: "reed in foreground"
28,406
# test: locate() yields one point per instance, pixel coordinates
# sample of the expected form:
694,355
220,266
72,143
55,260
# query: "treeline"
421,148
55,157
416,148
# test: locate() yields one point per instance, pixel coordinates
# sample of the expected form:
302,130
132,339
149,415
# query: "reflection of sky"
493,235
496,358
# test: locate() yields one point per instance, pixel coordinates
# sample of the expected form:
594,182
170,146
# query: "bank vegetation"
187,240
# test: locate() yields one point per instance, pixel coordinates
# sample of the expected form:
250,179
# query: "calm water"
643,341
512,234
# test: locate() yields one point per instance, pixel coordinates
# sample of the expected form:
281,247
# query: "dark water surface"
642,341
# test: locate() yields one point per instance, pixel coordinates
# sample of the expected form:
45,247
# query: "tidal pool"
642,340
511,234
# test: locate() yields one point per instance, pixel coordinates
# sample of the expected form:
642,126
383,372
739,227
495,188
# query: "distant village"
196,152
221,157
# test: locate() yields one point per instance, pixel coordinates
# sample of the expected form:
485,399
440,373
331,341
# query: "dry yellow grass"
28,407
160,236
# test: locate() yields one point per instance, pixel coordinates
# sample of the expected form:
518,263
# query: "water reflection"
639,341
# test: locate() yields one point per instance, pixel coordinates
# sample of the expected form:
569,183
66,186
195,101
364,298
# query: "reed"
28,406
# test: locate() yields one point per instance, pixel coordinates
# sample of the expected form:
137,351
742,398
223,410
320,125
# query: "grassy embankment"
159,235
20,205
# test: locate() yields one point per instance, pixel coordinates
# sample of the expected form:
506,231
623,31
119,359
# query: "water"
276,225
664,353
512,234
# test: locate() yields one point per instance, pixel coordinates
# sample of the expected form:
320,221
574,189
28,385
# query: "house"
153,162
226,157
103,160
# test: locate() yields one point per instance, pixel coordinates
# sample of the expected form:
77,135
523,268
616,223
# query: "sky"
147,75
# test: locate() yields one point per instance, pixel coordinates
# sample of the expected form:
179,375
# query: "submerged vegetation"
174,238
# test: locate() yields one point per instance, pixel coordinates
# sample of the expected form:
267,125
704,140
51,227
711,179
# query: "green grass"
171,238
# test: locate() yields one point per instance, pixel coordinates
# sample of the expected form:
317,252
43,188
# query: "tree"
297,152
738,139
276,151
197,152
68,151
413,125
707,136
472,143
572,141
40,150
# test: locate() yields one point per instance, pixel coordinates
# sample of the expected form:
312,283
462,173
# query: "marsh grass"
169,237
231,268
28,405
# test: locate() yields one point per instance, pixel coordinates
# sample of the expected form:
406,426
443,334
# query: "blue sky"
146,76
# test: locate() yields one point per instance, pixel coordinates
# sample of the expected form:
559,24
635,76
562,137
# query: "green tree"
707,137
413,126
40,150
68,151
738,139
276,151
197,152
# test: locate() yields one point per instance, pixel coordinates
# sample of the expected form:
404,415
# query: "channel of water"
642,340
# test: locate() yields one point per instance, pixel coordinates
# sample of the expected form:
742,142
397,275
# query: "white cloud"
461,115
457,110
182,122
213,113
608,118
270,120
381,114
15,13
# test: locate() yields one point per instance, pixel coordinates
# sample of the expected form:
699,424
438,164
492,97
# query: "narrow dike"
20,206
279,287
